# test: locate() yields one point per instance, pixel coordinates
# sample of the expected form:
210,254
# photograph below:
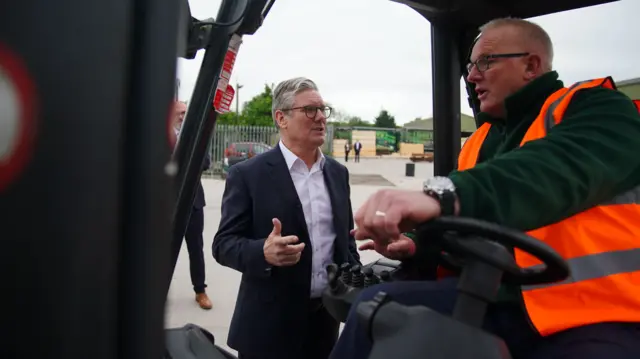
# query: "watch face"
439,185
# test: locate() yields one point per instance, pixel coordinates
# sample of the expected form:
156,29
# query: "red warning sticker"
17,116
224,92
223,100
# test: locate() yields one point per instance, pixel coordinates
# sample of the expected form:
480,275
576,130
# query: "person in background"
347,149
356,148
195,227
286,215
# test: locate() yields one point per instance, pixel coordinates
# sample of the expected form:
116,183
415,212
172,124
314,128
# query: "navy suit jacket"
272,305
199,201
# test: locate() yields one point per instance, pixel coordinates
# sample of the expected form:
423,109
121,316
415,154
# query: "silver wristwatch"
443,190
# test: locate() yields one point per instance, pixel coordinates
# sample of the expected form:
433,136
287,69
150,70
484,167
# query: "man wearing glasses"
286,215
559,163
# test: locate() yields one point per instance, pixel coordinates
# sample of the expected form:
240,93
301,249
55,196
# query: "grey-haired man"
286,215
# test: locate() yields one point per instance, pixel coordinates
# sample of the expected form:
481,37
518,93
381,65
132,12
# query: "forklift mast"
92,221
235,19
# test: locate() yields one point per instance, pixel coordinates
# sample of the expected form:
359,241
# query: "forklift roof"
478,12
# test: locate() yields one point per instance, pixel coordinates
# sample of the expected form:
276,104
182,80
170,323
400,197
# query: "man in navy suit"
357,147
193,234
286,215
195,243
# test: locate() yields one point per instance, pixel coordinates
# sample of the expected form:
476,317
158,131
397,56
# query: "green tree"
356,121
385,120
257,111
229,118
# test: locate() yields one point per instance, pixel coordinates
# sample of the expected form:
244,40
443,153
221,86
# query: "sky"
369,55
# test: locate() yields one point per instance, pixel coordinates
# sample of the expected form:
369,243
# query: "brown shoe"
203,301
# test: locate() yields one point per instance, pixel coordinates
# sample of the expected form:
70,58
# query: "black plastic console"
347,281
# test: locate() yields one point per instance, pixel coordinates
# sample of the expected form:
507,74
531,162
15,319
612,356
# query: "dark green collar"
526,100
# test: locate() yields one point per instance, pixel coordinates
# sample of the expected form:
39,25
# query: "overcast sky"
368,55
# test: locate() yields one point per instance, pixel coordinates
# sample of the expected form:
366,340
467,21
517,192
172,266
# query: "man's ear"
280,119
534,67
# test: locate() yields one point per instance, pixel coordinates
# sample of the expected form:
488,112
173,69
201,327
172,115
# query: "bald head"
180,106
508,55
179,111
527,33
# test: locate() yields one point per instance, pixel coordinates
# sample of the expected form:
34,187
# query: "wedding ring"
380,214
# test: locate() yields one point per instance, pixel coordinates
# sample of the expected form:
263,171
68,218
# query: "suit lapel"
336,193
280,176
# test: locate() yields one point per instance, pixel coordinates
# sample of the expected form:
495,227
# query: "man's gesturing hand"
281,251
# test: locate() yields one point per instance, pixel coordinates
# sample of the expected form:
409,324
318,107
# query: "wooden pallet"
421,157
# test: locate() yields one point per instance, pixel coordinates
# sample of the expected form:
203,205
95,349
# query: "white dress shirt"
177,131
318,214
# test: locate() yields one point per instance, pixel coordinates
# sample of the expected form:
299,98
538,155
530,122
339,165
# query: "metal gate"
225,135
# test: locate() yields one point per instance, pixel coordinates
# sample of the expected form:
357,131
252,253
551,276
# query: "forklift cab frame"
89,252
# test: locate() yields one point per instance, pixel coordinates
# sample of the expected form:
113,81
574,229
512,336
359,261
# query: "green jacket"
589,157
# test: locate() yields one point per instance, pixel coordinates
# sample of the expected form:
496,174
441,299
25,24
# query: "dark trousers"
346,156
319,340
506,320
357,156
195,245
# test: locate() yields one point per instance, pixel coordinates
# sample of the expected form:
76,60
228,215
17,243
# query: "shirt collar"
290,158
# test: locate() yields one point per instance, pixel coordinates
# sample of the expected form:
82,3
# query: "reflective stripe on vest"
601,244
597,266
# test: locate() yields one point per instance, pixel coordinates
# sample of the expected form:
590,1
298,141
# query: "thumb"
407,247
277,226
367,246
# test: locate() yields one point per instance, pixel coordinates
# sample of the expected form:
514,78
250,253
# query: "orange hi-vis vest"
601,244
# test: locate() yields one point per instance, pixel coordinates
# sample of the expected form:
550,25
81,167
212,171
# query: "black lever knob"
336,286
332,275
385,276
357,278
369,278
345,275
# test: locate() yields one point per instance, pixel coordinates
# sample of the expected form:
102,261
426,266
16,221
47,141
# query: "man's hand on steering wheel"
389,213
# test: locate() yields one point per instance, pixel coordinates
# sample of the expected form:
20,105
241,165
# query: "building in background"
630,88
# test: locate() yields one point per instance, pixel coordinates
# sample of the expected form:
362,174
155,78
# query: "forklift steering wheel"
459,238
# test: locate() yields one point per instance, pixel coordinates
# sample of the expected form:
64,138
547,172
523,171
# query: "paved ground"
223,282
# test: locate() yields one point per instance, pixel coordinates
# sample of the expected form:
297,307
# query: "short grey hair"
284,94
529,29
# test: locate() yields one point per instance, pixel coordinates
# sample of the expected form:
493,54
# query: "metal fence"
225,135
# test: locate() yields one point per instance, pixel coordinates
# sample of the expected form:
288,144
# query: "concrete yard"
223,282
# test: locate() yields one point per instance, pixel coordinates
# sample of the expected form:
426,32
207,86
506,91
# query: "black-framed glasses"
311,111
483,62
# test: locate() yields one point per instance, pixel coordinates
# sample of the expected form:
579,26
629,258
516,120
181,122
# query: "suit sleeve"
233,246
353,248
206,164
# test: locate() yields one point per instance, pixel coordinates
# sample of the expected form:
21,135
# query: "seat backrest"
192,342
